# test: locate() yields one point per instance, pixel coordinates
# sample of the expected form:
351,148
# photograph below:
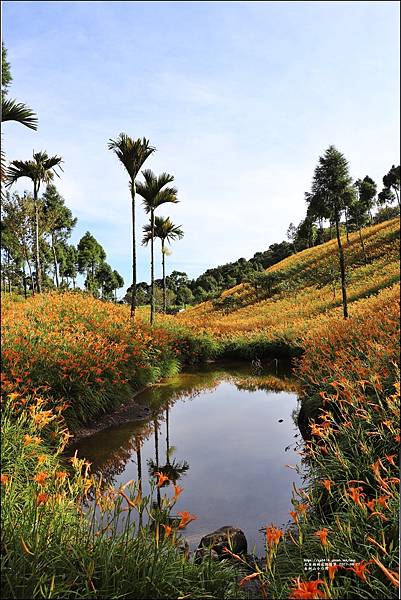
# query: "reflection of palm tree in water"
172,468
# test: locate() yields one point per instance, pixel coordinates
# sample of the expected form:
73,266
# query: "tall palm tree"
20,113
132,154
40,170
154,194
165,230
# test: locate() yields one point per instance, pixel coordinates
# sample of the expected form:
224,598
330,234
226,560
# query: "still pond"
227,433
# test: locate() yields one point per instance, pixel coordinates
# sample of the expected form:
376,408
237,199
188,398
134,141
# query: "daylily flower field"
68,359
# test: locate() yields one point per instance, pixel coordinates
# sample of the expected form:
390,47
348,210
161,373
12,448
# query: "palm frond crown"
131,153
11,110
164,229
152,191
41,169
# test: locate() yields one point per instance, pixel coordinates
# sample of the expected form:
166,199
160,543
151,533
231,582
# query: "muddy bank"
128,411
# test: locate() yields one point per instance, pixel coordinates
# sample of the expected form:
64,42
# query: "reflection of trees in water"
118,457
160,398
172,469
269,383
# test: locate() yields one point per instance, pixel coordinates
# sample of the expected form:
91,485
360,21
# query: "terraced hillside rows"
279,307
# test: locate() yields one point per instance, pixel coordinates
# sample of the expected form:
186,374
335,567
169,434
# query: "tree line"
36,253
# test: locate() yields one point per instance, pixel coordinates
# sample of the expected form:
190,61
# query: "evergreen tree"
90,256
58,221
329,198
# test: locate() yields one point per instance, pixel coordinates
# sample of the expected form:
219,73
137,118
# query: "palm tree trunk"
139,471
157,458
167,437
55,262
342,267
30,273
8,272
37,257
164,278
152,267
133,294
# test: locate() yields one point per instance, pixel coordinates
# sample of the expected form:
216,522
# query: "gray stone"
213,544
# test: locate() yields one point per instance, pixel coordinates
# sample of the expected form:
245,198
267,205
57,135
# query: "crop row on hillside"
249,320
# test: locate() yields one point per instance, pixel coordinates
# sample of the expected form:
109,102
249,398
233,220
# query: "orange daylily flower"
376,468
43,418
327,484
383,501
41,477
4,479
185,519
273,536
317,430
61,475
371,504
301,508
322,535
162,478
356,495
390,459
42,498
307,589
31,439
360,568
167,530
177,491
332,571
41,458
294,515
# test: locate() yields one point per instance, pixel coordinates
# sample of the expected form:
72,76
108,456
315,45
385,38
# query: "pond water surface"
227,431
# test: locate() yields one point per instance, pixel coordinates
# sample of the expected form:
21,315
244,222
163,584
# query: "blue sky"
239,98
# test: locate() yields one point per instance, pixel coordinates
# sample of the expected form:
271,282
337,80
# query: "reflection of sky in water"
234,445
